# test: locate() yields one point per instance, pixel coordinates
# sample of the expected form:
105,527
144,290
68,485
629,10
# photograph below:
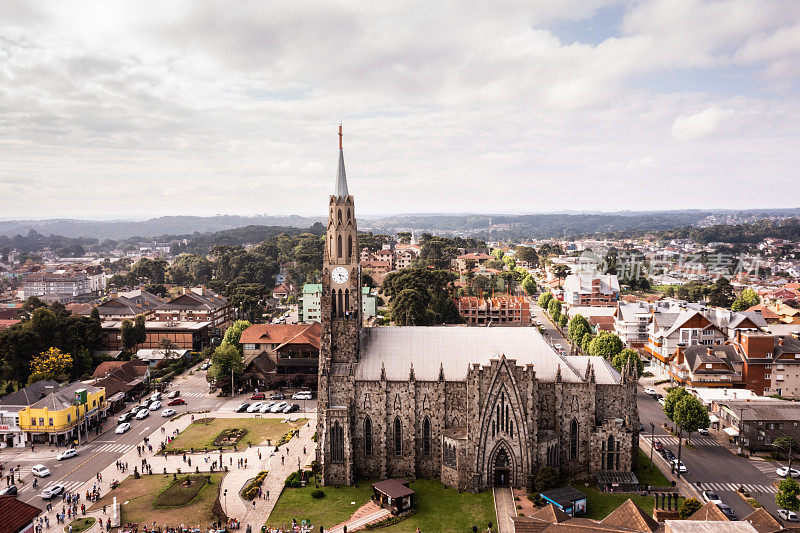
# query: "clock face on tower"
339,275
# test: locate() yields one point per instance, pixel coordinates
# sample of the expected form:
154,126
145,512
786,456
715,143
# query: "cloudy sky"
122,109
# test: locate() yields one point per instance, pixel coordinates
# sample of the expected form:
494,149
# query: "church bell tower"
341,316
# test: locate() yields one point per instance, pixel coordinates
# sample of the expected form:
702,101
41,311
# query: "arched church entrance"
501,469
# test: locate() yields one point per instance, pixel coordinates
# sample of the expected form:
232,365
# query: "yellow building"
56,416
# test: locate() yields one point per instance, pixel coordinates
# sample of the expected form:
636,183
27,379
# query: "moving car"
662,401
166,413
9,491
278,396
52,490
650,390
727,511
668,455
266,407
66,454
174,394
657,446
255,407
278,407
703,431
125,417
141,415
789,516
258,396
40,471
122,428
784,472
711,496
155,396
678,465
177,401
242,407
155,405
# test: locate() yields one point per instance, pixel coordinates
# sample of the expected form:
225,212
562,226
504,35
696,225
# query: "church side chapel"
473,407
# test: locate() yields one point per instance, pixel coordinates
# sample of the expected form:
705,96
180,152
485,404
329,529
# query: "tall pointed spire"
341,176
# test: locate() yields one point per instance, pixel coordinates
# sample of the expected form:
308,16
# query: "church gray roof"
456,348
341,177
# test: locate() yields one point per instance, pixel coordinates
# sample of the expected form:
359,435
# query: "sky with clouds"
123,109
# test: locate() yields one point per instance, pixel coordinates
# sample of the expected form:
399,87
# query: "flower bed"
251,489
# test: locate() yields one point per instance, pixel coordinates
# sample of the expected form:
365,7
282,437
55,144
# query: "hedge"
250,491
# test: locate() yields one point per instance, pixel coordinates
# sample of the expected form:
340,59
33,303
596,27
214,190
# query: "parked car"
40,471
155,396
9,491
668,455
278,396
255,407
266,407
291,408
784,472
789,516
154,406
177,401
205,365
301,396
678,465
125,417
278,407
703,431
52,490
662,401
258,396
657,446
122,428
650,390
174,394
166,413
66,454
242,407
141,415
727,511
711,496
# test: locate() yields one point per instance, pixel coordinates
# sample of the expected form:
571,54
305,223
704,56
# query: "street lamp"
652,443
225,496
789,471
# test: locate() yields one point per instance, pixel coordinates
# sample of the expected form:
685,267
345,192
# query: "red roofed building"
280,349
497,310
17,516
7,322
478,258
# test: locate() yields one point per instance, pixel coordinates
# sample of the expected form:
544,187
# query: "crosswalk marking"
68,485
765,467
194,395
696,441
732,487
115,448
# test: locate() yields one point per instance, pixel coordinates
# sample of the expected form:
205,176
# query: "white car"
122,428
40,471
711,496
141,415
155,396
66,454
649,390
679,466
278,407
53,490
662,401
703,431
155,406
789,516
784,472
266,407
174,394
301,396
255,407
166,413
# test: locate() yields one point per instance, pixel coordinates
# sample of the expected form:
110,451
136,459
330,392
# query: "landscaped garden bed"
181,491
215,433
229,437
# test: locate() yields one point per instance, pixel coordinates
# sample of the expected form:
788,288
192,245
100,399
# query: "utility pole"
652,443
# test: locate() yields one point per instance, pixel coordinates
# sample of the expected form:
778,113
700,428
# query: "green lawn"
438,508
644,474
81,524
600,504
200,434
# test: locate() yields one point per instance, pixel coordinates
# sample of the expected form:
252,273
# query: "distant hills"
485,226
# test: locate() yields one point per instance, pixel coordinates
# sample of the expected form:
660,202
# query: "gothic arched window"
426,436
573,439
340,306
398,436
333,302
367,436
337,442
338,246
349,246
347,300
339,216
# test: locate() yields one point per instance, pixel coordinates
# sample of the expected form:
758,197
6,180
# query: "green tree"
51,364
547,478
721,294
788,495
429,300
671,401
544,300
498,254
438,252
225,358
586,342
410,308
139,330
690,415
234,333
554,308
529,285
622,358
562,321
527,254
578,327
606,345
128,335
510,262
747,299
561,272
689,507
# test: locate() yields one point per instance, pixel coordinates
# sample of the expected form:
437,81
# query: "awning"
713,418
733,432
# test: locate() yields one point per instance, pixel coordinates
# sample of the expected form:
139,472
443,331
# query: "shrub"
547,478
689,507
291,479
251,489
317,494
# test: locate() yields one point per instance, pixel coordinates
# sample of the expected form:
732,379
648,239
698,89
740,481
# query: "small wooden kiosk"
394,495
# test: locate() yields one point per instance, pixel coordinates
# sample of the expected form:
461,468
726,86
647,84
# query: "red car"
258,396
177,401
657,445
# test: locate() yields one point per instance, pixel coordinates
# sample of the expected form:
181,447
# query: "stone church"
472,406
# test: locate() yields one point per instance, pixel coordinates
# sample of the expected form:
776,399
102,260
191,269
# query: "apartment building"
591,290
58,286
771,363
497,310
197,304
